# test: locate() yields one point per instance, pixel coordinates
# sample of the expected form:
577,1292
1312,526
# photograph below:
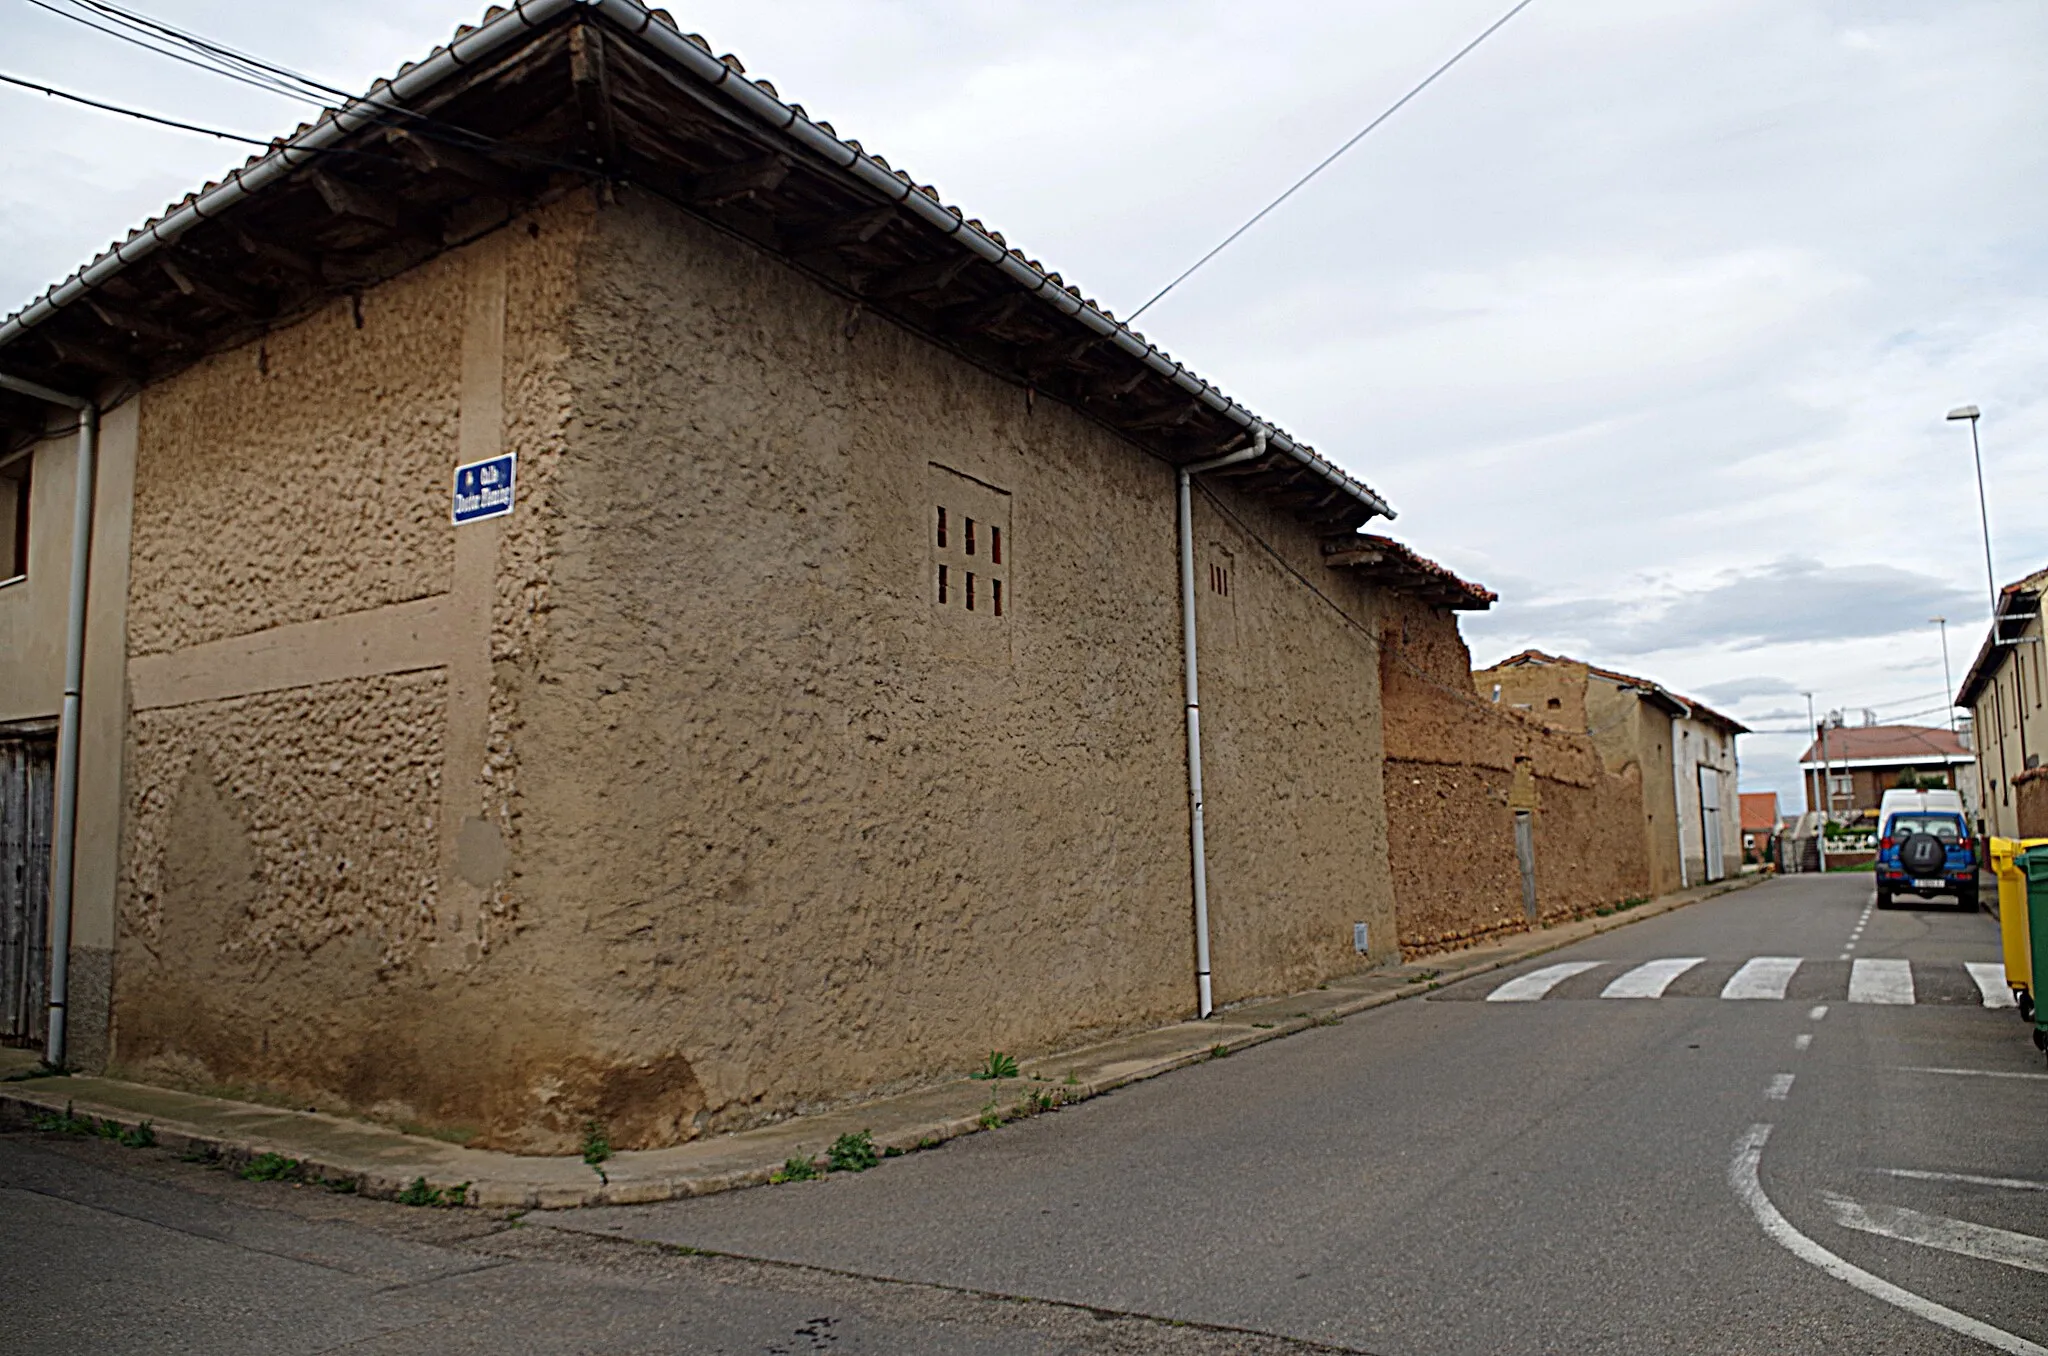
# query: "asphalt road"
1560,1175
1571,1173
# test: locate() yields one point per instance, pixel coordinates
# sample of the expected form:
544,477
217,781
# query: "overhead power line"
1333,156
132,112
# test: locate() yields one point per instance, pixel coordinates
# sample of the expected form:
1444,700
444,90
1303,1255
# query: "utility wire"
134,113
269,85
1331,159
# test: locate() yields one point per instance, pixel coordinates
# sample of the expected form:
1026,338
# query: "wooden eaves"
584,102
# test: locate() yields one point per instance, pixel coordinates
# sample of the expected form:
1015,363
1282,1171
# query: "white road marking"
1762,977
1651,978
1819,1011
2009,1183
1938,1231
1780,1088
1742,1175
1990,977
1973,1073
1881,981
1803,1040
1534,985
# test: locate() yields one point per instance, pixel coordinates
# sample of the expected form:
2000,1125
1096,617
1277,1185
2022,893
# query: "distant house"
1685,753
1759,825
1495,821
2004,692
1862,762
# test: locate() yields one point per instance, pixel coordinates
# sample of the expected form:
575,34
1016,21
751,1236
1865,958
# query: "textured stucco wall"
794,831
325,677
1451,791
674,800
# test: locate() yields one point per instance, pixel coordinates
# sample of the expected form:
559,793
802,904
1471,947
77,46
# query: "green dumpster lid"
2035,859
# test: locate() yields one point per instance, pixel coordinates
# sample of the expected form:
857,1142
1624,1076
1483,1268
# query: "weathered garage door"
27,778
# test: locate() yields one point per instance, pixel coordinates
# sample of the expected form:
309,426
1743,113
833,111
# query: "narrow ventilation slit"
942,538
970,590
942,585
995,595
970,536
995,557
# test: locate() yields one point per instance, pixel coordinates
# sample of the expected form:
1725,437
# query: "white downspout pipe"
64,849
1197,846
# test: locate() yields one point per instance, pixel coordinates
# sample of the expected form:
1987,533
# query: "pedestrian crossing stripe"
1871,980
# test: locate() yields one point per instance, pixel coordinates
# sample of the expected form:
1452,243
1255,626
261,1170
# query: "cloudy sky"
1645,316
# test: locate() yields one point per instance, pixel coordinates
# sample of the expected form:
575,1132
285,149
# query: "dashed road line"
1780,1088
1742,1176
2008,1183
1802,1040
1818,1011
1973,1073
1939,1231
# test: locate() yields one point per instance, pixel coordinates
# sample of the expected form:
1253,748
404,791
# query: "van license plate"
1927,884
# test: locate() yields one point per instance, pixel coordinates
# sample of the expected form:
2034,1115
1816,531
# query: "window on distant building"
14,490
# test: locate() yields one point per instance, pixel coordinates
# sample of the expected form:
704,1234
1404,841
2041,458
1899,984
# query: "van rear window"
1945,827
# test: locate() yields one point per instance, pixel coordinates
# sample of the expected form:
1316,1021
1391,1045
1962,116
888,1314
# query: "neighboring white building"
1705,777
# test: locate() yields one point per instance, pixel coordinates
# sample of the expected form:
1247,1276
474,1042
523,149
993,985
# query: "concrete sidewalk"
383,1162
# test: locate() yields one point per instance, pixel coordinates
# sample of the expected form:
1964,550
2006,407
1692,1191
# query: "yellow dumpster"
2012,918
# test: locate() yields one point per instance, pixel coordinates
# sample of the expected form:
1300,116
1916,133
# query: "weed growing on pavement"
852,1152
142,1136
67,1124
1038,1101
892,1152
998,1065
1423,976
990,1118
1073,1079
420,1194
1631,902
929,1142
795,1169
340,1186
597,1149
269,1167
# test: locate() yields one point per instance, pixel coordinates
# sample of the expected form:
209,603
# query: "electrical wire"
229,63
1331,159
135,113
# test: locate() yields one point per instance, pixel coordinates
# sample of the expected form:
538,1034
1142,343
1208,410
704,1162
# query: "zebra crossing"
1869,980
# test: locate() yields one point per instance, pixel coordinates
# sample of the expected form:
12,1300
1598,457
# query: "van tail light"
1884,845
1966,845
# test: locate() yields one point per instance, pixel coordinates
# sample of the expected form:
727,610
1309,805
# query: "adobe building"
1681,752
1862,762
1497,821
785,700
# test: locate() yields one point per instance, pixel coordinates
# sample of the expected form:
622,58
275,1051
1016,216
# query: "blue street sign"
483,489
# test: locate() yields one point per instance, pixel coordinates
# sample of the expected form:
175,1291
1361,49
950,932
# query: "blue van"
1927,852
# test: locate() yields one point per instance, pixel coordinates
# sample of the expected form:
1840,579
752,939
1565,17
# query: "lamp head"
1965,412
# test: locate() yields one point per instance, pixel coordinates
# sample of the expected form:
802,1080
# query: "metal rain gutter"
526,15
64,832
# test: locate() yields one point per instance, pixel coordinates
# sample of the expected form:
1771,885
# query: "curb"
21,1104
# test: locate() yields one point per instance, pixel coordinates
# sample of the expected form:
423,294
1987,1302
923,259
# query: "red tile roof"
1902,744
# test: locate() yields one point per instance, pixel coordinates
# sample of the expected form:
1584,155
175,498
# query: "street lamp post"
1820,827
1948,687
1973,414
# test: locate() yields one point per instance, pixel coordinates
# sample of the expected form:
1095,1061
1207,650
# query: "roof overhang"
1389,564
551,96
2018,607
